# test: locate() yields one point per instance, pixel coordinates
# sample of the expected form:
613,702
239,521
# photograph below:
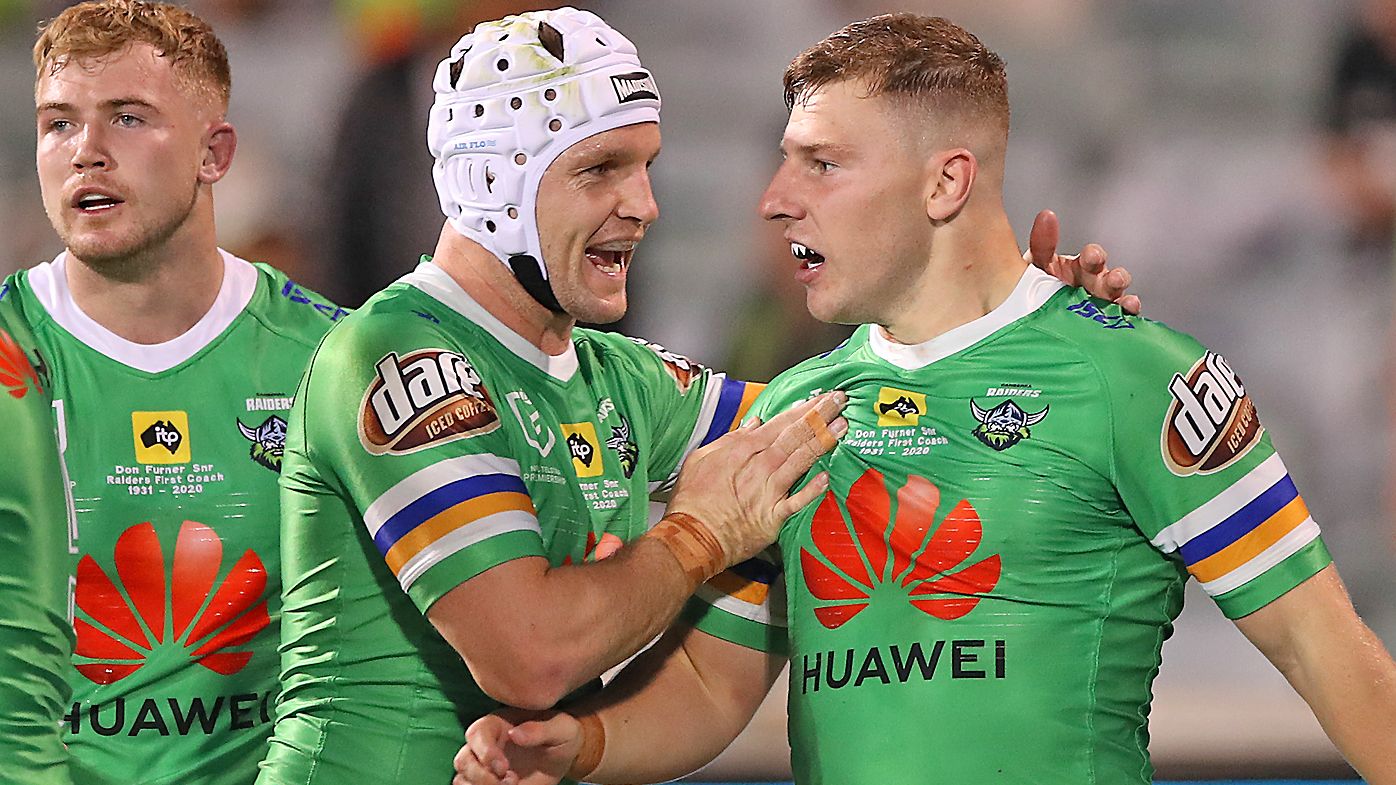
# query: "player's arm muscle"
1340,668
530,633
690,695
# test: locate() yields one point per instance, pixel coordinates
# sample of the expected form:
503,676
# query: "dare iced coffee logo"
1211,421
428,397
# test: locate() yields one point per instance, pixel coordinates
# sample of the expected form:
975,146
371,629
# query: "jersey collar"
1034,289
441,286
49,281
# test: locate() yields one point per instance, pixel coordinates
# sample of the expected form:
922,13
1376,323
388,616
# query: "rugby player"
983,593
173,364
35,516
461,456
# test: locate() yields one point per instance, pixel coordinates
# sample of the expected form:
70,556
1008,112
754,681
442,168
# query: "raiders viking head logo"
1004,425
425,398
268,441
626,448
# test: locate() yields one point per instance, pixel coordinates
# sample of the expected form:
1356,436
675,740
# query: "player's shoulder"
16,303
22,370
290,309
824,371
636,355
393,319
1124,347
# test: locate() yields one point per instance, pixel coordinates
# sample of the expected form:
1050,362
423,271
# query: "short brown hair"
929,60
103,27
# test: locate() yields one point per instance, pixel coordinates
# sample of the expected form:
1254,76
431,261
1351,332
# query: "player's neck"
154,296
972,270
490,284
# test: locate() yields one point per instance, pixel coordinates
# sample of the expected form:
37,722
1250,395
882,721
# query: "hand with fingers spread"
733,495
512,747
1086,269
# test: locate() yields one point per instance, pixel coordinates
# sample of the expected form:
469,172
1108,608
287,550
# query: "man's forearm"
1340,668
689,696
530,634
1352,691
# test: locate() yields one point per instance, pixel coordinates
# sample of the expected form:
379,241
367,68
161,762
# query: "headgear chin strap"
513,95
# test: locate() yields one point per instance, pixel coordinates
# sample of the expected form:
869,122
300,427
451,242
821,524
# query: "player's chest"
957,474
204,443
583,450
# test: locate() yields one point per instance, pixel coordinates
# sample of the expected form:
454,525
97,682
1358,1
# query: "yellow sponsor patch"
584,447
899,408
161,437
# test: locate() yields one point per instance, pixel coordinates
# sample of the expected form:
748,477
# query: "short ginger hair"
104,27
915,59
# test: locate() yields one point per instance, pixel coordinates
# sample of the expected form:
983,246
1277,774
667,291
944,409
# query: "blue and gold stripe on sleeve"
1245,530
751,590
445,508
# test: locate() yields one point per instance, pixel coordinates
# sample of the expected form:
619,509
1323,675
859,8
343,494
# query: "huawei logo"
596,550
870,553
16,372
148,610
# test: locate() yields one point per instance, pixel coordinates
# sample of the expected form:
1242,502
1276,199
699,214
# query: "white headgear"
514,94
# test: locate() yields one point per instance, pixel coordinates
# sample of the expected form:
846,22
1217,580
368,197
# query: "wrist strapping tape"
693,545
593,746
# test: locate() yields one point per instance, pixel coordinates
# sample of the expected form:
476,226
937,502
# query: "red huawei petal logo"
869,550
16,372
139,613
596,550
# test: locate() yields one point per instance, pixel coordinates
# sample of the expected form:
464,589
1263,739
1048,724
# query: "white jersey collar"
1034,289
441,286
49,282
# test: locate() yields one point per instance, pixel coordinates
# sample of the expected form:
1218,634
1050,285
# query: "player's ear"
949,177
220,142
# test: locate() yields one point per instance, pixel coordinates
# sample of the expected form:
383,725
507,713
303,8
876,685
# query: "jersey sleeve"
410,430
35,530
691,405
746,604
1198,473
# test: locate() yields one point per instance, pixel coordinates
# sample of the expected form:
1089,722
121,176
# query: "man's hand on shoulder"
1087,269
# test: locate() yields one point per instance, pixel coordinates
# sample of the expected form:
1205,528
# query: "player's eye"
127,120
824,167
58,125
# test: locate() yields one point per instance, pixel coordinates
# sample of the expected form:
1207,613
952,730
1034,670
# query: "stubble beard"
126,255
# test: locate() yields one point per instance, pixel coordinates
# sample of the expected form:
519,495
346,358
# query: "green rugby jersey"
984,593
173,451
35,538
428,444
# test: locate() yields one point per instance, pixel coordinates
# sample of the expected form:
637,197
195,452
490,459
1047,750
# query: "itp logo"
850,565
148,609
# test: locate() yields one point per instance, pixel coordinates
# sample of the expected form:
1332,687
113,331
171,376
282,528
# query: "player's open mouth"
93,201
611,258
809,259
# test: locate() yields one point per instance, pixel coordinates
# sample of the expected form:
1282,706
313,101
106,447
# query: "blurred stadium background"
1239,156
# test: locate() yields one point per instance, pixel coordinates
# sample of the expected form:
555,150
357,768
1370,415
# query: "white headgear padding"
514,94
